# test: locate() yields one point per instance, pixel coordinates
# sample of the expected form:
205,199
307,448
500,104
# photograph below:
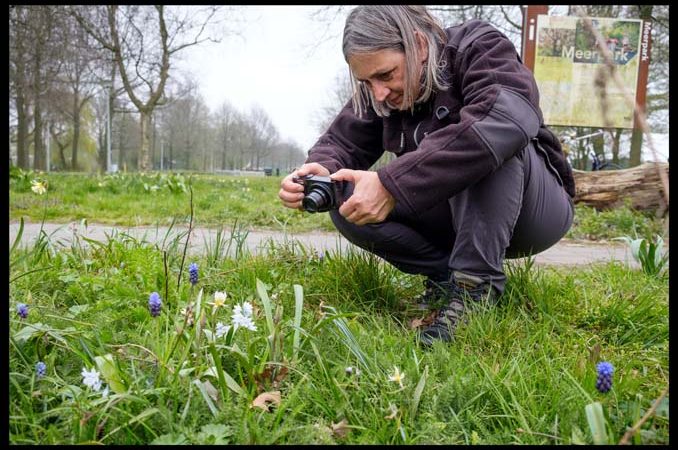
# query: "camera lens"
316,200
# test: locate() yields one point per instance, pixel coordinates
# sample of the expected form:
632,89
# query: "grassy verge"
220,201
523,372
160,198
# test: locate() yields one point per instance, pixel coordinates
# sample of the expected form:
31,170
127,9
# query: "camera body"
321,193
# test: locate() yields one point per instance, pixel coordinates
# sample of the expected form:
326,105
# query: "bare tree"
339,96
33,65
144,39
225,122
19,81
265,134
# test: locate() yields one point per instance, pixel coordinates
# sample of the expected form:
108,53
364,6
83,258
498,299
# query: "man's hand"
370,202
292,193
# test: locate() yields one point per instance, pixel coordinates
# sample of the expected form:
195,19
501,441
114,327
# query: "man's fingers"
290,197
345,175
312,168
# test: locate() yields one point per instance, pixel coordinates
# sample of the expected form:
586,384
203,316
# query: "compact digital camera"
321,194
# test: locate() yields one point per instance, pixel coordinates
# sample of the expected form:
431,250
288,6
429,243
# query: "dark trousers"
518,210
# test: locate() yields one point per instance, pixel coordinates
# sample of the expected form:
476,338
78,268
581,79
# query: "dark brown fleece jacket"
489,113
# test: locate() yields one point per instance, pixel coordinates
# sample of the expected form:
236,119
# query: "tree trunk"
615,145
22,131
76,130
38,143
144,162
636,146
62,156
640,185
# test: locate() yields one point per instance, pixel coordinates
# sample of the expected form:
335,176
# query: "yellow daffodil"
397,377
39,187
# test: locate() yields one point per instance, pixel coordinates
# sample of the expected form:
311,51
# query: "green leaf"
206,397
186,372
110,372
19,233
75,310
577,437
298,308
596,420
198,317
230,382
417,393
69,278
170,439
214,434
30,330
261,289
146,413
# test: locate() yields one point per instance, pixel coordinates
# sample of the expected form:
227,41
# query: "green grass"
592,224
522,372
220,201
132,199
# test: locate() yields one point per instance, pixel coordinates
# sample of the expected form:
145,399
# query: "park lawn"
128,199
334,353
219,201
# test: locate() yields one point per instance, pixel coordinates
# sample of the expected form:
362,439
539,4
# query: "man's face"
383,72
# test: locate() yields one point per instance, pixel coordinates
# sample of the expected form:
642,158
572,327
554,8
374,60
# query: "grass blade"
206,396
19,233
298,307
596,420
261,289
417,393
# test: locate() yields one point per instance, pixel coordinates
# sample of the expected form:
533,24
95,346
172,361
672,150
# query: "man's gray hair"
370,28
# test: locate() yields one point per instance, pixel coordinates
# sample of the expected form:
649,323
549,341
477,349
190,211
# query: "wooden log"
607,189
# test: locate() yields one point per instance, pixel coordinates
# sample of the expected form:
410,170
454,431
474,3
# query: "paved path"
566,252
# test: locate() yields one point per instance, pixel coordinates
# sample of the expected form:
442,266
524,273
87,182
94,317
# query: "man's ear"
422,46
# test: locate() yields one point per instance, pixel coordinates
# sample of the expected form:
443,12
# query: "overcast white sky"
270,66
279,64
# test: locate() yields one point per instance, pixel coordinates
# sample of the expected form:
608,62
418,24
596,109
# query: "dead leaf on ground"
340,429
427,320
264,400
265,377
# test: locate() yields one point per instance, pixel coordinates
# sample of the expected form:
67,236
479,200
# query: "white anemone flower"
91,379
222,329
242,316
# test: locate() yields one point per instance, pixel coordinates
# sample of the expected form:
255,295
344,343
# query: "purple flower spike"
154,304
40,369
605,371
22,310
193,273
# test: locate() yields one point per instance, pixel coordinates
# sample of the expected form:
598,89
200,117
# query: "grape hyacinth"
154,304
22,310
40,369
193,273
604,381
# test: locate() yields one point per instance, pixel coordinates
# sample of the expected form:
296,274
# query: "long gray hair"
370,28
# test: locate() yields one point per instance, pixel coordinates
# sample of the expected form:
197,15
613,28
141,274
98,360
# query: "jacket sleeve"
350,142
499,116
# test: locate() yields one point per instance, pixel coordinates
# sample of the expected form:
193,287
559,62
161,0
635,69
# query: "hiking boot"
464,292
435,294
